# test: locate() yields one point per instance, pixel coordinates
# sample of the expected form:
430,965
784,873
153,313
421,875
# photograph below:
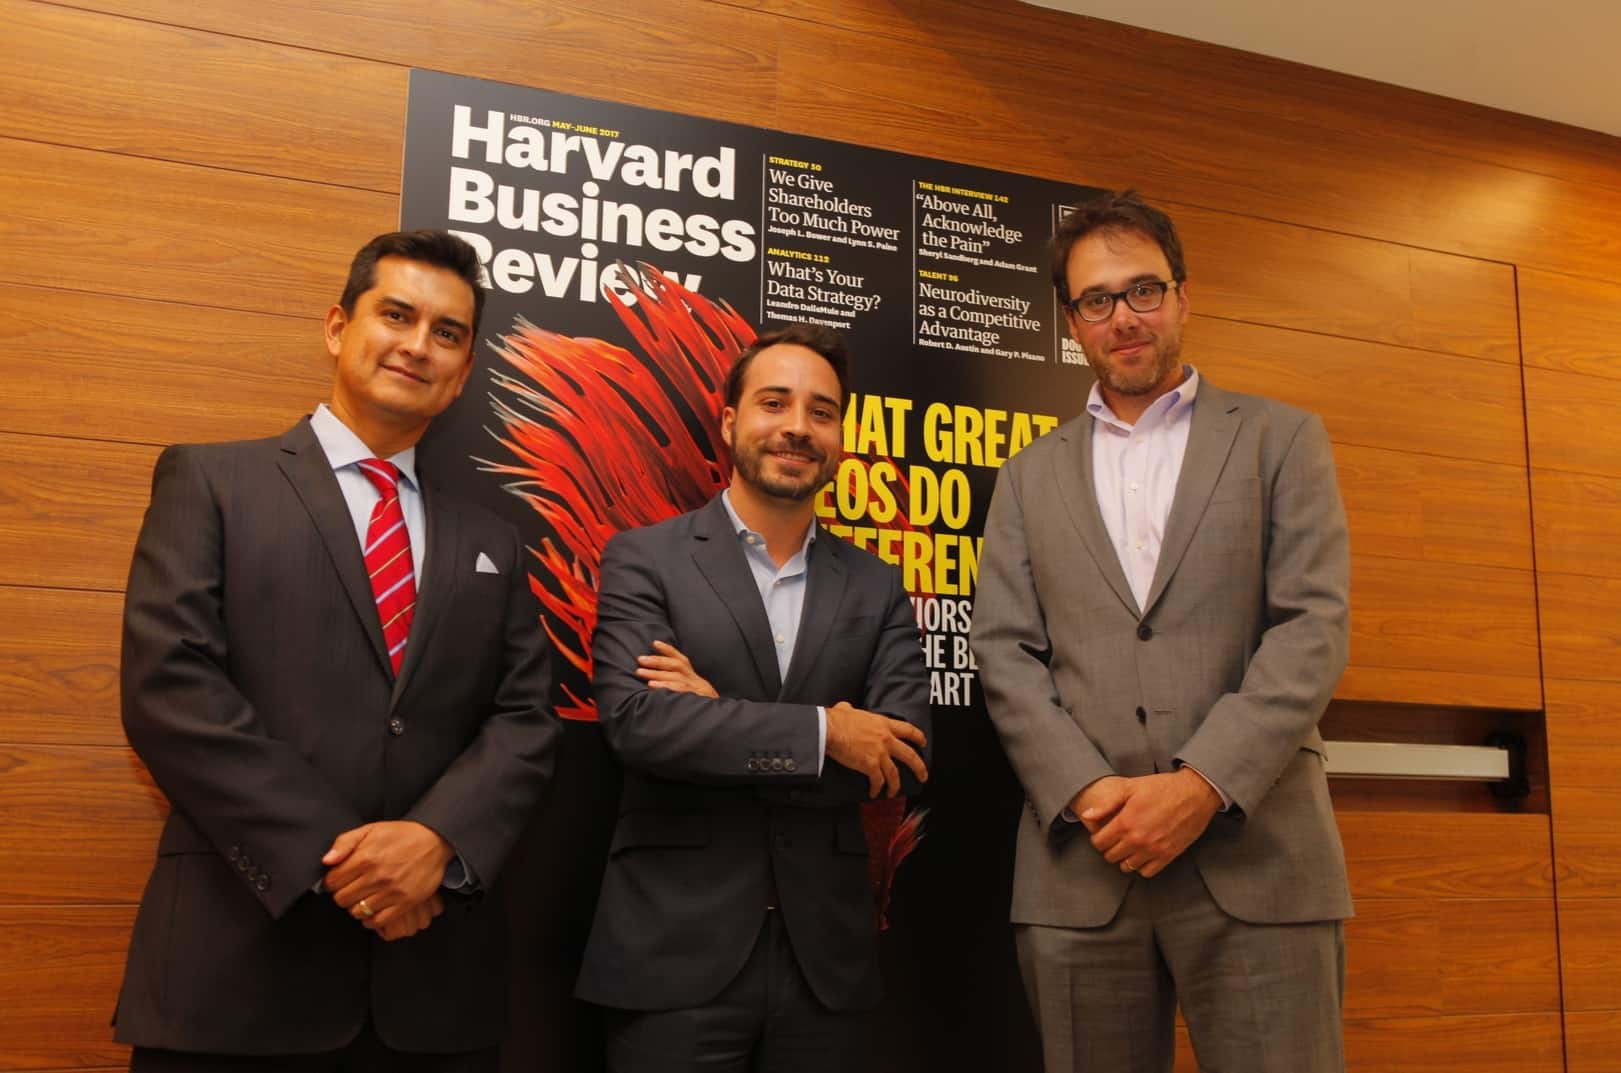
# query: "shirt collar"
343,448
1166,407
743,531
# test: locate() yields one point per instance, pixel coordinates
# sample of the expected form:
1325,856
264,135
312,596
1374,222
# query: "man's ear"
336,321
467,368
728,419
1073,323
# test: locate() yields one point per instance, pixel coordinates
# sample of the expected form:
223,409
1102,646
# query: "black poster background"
938,248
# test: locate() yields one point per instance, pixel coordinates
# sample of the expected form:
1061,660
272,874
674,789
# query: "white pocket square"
485,565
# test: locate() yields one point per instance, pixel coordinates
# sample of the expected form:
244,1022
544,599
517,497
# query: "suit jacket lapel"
721,561
824,592
1074,481
436,588
306,468
1210,439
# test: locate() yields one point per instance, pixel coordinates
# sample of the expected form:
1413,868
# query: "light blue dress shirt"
782,591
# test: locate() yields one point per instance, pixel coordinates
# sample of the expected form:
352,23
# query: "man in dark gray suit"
1160,621
758,679
348,765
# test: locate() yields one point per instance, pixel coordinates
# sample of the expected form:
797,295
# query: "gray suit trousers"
1257,998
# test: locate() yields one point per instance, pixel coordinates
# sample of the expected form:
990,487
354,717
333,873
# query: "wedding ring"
365,910
1126,865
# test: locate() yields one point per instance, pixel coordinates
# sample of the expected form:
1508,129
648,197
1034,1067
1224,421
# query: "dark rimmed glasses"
1144,296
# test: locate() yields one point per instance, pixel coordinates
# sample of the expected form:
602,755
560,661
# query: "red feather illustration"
602,439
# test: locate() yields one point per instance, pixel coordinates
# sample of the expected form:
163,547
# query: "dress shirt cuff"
458,877
821,739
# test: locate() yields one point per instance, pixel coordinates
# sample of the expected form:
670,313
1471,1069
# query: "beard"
1145,378
752,462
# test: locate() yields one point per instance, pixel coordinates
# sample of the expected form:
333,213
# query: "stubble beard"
749,461
1168,355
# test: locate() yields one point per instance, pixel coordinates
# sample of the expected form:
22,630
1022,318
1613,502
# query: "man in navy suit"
334,670
758,679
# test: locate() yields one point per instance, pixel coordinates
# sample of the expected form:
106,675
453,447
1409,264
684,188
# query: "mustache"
798,447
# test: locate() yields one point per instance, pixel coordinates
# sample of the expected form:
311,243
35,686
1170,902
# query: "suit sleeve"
897,685
485,797
674,735
1249,736
201,739
1052,756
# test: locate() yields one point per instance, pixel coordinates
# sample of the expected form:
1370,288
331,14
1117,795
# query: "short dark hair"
1111,211
434,247
825,341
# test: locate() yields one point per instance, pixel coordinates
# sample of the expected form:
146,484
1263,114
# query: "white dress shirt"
1134,472
344,451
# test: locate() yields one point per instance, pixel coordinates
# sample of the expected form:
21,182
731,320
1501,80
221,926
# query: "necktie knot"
384,476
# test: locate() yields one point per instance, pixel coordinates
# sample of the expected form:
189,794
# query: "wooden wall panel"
704,58
148,90
1581,626
1409,614
1370,394
1590,935
1435,957
1587,839
69,359
69,511
59,973
1571,323
1213,147
1524,1043
93,817
178,232
1578,522
59,666
1263,272
1441,510
1590,1041
1571,422
1427,855
1473,689
1245,84
1584,733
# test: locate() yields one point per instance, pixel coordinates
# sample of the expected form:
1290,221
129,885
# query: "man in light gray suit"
1160,621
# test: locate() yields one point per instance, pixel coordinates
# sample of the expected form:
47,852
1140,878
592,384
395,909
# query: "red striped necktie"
388,559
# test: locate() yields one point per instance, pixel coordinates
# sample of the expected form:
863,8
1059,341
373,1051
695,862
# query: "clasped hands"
1142,824
387,875
866,742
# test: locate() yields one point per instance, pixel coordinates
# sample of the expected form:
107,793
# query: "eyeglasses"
1143,297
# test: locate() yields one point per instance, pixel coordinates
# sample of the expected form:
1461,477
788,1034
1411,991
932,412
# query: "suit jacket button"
233,853
776,763
789,765
1144,632
1142,716
243,864
396,726
262,884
